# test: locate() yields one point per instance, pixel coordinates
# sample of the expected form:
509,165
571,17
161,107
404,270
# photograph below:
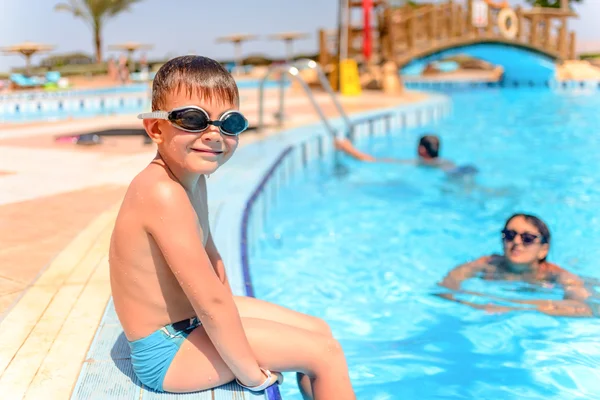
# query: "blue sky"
182,26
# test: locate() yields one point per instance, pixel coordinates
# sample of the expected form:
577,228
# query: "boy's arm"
173,225
217,262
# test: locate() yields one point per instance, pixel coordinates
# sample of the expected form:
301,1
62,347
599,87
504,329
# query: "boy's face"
195,152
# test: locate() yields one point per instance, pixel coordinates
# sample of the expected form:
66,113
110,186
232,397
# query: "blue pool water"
365,250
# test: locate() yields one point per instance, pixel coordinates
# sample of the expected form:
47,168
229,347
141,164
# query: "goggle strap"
154,115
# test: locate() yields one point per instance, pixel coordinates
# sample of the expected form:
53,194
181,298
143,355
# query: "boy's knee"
320,326
330,351
325,355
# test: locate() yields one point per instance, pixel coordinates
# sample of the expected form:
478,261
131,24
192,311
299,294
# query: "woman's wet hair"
538,223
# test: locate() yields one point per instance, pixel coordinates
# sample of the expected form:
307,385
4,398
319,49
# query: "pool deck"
58,202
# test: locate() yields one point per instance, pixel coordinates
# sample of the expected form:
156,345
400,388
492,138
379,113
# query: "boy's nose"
212,134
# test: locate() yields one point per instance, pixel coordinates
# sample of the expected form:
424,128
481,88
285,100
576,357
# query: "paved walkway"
57,205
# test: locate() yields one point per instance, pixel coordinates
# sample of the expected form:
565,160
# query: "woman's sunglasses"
195,119
508,235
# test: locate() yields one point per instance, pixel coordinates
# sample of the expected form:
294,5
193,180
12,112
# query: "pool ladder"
293,69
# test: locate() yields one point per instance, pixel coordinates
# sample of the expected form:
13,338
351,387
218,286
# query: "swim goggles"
195,119
508,235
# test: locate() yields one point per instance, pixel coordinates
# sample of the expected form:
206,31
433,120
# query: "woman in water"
526,242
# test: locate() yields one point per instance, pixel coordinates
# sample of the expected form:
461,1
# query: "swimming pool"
35,106
365,249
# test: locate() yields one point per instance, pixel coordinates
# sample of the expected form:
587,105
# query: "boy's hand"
273,378
279,376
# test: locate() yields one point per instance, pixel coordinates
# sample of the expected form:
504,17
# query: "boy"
186,330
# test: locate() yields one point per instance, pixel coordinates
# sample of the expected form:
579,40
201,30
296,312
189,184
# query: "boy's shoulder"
154,187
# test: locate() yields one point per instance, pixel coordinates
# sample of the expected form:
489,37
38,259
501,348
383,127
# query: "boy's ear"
153,130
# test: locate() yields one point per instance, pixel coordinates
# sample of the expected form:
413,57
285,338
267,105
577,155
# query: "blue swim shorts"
151,356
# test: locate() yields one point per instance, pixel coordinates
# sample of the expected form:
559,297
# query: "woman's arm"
454,278
564,308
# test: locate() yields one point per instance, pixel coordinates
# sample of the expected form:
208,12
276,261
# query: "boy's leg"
278,347
250,307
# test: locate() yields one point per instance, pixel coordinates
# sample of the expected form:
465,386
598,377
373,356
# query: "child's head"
429,147
195,122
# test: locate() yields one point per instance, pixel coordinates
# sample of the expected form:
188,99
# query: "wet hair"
431,144
198,75
539,225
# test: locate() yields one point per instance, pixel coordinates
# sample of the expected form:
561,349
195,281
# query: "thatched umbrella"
237,41
288,38
27,49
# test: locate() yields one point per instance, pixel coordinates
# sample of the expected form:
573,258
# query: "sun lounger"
22,81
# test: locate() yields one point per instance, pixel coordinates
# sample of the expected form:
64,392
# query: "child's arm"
346,146
217,262
173,223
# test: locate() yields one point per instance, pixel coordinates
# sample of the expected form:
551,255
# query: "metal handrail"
293,69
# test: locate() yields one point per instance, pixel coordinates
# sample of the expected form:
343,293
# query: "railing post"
470,27
520,24
451,25
460,27
410,28
281,113
562,39
572,42
323,48
546,38
564,5
491,23
433,29
391,34
533,32
261,101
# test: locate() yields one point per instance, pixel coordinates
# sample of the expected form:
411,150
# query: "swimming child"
186,330
428,155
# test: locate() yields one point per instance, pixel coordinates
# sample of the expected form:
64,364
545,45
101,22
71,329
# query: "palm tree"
95,13
550,3
402,3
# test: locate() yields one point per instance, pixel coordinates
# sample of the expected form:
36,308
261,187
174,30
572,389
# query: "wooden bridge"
406,33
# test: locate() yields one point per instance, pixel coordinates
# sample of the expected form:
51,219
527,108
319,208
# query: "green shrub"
587,56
